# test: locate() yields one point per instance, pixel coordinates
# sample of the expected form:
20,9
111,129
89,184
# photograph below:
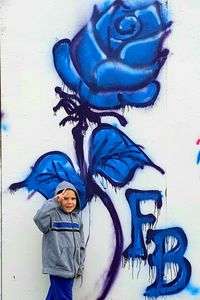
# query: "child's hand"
60,196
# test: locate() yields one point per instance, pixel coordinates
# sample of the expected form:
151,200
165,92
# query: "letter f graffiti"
137,248
163,257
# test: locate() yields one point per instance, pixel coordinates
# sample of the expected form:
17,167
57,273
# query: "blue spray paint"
198,158
162,256
137,248
112,62
193,290
5,127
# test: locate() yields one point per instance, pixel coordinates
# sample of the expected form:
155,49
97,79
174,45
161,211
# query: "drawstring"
81,283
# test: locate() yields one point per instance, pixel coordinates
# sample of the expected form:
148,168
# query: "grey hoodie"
63,247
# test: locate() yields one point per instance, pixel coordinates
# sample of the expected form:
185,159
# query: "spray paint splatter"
198,142
198,155
198,158
195,291
5,127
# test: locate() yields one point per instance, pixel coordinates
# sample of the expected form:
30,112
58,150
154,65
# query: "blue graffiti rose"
114,60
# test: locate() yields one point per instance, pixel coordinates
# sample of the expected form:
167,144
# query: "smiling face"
68,201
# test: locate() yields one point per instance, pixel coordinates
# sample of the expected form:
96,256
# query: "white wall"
169,131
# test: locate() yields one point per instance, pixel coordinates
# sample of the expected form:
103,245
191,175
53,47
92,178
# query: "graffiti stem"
115,264
78,144
96,190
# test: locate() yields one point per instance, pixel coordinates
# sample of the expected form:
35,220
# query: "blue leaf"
50,169
116,157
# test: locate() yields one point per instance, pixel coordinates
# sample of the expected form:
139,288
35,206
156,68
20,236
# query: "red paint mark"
198,142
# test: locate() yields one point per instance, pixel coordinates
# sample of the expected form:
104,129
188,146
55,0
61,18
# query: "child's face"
68,200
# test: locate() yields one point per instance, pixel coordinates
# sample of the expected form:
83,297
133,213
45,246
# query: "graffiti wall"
103,94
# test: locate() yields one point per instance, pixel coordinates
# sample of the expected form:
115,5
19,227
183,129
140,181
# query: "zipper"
74,244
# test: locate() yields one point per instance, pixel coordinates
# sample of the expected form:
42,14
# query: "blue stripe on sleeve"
65,225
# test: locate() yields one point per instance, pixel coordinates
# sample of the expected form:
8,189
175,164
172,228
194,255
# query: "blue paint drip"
193,290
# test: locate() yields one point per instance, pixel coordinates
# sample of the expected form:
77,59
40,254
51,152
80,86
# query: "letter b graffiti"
166,255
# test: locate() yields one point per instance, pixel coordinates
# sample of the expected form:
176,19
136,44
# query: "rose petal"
142,52
64,65
85,53
110,31
151,20
101,29
125,25
116,76
71,78
140,98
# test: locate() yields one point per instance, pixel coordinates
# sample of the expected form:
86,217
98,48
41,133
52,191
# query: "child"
63,248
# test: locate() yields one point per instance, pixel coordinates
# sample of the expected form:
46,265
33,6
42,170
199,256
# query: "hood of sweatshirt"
67,185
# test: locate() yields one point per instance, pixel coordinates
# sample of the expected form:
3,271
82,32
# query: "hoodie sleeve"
82,254
42,218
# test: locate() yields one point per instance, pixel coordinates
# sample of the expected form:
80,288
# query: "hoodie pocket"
65,260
